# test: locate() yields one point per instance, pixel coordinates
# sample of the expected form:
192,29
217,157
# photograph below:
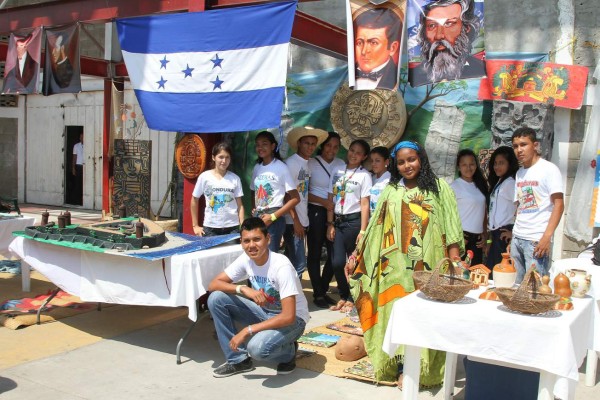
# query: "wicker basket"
446,288
525,298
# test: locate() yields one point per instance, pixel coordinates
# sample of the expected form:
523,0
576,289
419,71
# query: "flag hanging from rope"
21,72
211,71
62,73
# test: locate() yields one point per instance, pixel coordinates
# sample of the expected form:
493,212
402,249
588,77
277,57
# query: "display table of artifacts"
554,342
10,223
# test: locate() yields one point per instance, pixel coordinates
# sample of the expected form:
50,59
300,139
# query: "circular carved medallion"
377,116
191,156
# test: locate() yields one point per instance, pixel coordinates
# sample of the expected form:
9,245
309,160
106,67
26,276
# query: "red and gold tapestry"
534,82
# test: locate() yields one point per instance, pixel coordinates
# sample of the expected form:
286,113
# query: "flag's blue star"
217,83
161,83
163,63
217,61
187,71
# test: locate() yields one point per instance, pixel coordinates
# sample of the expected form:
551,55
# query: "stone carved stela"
132,173
508,116
443,139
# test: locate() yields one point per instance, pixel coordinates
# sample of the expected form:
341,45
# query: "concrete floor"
141,365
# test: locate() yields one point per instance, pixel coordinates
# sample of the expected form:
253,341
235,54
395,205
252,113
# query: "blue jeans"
273,345
521,250
344,244
276,230
294,249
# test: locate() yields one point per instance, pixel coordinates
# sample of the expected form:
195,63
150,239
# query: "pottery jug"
580,281
562,285
505,273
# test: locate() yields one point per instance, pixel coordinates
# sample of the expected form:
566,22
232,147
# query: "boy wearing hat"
304,140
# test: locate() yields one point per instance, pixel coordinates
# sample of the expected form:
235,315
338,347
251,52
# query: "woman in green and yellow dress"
415,225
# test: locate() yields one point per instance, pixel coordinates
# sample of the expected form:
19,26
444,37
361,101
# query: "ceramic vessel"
580,282
562,285
505,273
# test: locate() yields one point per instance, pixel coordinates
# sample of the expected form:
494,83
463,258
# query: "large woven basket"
446,288
525,298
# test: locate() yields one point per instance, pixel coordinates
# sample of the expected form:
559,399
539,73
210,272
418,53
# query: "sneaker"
290,366
286,368
227,369
321,302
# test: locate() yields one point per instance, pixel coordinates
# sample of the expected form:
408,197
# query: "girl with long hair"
472,197
415,225
502,167
222,189
321,168
274,189
347,222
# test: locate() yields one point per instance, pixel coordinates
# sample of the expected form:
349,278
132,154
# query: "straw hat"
302,131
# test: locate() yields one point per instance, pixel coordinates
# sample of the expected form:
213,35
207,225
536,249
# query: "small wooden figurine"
479,274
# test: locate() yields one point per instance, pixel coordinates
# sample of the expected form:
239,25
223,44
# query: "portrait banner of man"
22,68
374,43
62,73
445,40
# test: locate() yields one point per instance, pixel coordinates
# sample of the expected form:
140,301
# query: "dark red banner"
534,82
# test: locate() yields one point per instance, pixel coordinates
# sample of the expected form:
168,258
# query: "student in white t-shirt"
471,192
380,159
263,321
502,167
540,205
321,168
304,140
222,190
348,220
271,182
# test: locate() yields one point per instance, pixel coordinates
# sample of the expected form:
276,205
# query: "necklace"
343,187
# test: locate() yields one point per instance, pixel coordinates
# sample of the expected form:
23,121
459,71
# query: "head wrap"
405,145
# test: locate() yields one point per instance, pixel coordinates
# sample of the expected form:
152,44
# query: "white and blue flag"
211,71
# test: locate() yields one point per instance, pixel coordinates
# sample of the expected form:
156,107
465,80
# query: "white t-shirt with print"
270,183
320,181
300,172
471,205
534,186
378,185
221,207
277,278
348,187
502,204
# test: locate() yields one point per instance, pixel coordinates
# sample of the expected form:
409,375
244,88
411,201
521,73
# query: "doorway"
73,183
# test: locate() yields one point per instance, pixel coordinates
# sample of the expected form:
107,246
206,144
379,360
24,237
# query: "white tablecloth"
585,264
556,343
7,226
108,278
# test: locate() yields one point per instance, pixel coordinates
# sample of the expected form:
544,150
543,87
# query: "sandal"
340,304
347,307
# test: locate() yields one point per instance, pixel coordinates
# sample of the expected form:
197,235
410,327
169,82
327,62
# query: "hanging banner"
22,68
62,73
212,71
534,82
445,40
374,43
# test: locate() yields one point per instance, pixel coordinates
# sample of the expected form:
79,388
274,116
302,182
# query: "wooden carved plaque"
191,156
377,116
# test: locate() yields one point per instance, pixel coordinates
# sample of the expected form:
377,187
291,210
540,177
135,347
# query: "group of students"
321,199
488,208
398,219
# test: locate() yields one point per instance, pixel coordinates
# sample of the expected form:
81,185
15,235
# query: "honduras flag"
212,71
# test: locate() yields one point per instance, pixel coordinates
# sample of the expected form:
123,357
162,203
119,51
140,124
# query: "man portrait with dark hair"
377,33
23,76
446,34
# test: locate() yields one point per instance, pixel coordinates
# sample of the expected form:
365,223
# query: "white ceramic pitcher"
580,281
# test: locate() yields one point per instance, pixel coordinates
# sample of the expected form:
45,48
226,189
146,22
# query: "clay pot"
580,282
505,273
350,348
562,285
